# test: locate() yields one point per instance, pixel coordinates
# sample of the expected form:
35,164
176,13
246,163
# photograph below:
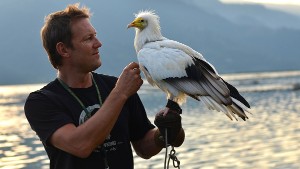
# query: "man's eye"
89,38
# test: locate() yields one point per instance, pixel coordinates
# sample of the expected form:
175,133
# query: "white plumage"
180,71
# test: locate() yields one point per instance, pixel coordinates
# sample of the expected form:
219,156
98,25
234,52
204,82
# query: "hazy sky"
290,6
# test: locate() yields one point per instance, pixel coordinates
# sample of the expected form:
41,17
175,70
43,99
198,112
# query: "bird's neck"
146,35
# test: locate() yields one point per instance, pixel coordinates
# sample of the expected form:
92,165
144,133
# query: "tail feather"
210,91
207,103
215,93
236,108
238,111
241,105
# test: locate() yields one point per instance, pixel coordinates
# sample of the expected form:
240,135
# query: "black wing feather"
233,91
235,94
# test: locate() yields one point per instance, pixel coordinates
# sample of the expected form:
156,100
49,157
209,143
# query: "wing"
181,67
163,62
176,69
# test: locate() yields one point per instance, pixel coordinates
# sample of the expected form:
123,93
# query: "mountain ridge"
230,45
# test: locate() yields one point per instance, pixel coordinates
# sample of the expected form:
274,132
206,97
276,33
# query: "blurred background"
254,44
235,37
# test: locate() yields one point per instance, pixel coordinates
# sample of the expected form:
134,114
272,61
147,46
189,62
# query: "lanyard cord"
77,99
65,86
172,155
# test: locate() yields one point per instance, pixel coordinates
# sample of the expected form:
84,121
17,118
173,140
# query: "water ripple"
268,140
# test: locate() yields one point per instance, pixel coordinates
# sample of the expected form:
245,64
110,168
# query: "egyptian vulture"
180,71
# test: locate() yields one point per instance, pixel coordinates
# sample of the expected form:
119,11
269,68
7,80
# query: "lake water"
270,139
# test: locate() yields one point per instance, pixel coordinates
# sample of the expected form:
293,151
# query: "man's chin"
95,67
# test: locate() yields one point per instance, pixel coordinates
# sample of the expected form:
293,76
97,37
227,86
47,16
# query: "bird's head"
147,29
139,23
143,19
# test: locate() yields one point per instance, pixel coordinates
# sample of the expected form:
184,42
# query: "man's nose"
98,44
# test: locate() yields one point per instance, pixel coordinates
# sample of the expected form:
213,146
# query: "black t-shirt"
52,107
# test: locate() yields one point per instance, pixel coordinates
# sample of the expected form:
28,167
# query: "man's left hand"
172,122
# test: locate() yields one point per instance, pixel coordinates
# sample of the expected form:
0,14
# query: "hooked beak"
132,24
136,23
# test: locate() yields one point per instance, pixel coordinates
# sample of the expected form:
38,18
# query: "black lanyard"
86,111
77,99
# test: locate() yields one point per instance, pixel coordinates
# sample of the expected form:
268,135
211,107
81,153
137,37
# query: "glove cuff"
174,106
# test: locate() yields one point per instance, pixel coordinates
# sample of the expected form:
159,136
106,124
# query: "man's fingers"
132,65
137,70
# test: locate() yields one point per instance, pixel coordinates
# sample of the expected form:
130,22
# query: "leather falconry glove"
172,122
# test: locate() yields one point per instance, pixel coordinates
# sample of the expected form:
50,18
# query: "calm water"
270,139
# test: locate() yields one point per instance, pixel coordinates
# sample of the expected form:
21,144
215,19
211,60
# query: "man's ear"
62,49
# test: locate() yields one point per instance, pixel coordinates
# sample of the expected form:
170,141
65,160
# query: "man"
88,120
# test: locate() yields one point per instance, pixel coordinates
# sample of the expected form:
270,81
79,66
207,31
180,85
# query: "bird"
180,71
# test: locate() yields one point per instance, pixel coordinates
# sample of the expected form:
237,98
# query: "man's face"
85,54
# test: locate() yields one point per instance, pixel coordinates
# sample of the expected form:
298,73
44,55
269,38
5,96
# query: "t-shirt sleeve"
45,115
139,123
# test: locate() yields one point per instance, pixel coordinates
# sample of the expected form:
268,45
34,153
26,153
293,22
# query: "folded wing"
179,71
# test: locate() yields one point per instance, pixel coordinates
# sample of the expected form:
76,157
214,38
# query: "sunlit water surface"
269,139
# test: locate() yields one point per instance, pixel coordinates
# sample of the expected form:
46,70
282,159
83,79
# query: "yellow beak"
132,24
136,23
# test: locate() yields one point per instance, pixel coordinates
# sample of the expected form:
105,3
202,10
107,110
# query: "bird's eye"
142,20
